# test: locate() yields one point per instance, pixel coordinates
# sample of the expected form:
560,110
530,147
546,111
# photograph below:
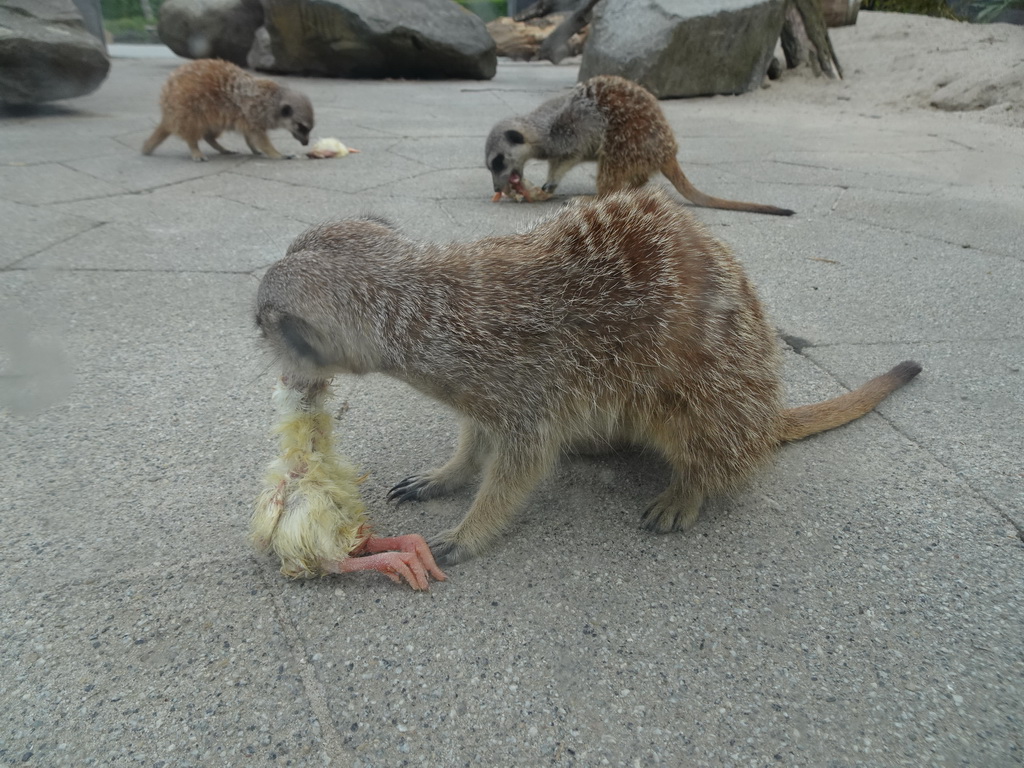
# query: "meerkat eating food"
619,320
204,98
607,119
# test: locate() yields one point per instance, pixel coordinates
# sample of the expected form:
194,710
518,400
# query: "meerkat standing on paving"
204,98
608,119
617,320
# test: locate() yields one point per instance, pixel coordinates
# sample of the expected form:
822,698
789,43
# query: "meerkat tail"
807,420
674,173
155,140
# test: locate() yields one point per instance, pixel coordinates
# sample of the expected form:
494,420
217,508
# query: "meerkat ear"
286,110
515,137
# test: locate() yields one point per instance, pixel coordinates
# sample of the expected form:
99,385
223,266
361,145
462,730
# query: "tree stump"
840,13
805,39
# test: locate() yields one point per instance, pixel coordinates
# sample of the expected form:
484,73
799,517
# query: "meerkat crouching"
204,98
607,119
619,320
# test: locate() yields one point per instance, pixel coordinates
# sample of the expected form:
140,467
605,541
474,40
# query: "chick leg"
399,557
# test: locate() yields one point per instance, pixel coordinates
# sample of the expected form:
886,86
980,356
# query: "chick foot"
399,557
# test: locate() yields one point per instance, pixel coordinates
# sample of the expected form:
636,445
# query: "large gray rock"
374,38
92,18
680,48
47,52
210,29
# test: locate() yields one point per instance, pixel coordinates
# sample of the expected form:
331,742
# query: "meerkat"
607,119
619,320
204,98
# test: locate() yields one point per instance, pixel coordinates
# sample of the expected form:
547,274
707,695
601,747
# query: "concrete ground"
858,604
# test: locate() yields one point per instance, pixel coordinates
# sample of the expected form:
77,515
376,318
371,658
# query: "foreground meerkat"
204,98
620,320
608,119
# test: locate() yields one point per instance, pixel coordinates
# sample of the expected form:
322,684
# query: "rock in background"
368,38
210,29
678,48
47,51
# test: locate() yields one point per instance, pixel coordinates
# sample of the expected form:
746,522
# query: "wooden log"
558,44
840,13
805,39
520,40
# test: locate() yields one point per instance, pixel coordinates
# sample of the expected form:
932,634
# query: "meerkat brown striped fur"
204,98
616,320
608,119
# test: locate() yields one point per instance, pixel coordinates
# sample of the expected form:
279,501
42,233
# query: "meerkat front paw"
447,551
416,488
672,511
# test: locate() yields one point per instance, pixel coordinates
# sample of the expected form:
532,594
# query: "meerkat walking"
620,320
204,98
608,119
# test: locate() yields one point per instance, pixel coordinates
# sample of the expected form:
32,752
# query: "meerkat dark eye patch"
286,111
498,164
515,137
297,335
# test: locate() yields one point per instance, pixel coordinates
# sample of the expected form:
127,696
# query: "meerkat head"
320,310
507,150
296,114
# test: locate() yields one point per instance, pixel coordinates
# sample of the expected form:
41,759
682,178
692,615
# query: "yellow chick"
329,148
310,514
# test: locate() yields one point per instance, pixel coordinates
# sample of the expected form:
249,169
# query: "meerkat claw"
409,489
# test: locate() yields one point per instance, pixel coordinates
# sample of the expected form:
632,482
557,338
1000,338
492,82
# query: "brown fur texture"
204,98
608,119
620,320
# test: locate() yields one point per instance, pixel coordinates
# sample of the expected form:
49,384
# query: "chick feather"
309,513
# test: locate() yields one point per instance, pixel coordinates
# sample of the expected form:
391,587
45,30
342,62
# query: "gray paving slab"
857,604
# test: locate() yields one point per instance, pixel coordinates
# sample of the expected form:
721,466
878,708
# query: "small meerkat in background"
607,119
619,320
204,98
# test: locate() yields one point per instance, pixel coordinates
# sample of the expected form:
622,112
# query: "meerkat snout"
505,155
297,116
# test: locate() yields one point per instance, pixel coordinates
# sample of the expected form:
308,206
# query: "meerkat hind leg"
459,471
676,508
193,147
211,139
155,140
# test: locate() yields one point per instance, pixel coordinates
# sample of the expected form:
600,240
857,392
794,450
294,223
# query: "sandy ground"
901,62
